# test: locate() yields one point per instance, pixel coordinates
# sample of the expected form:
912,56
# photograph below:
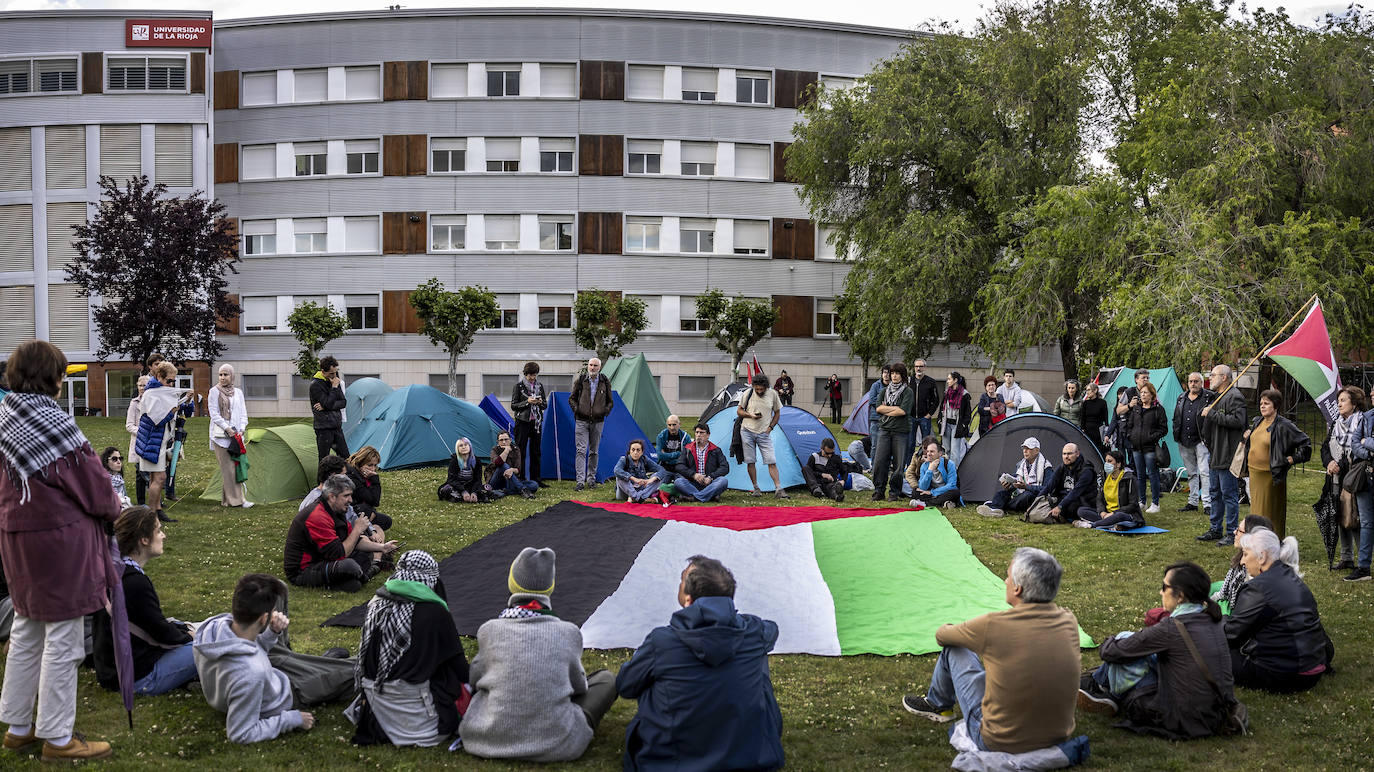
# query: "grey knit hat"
531,573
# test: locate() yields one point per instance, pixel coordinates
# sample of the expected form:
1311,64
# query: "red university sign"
167,33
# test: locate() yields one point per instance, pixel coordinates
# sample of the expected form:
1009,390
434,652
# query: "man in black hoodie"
326,408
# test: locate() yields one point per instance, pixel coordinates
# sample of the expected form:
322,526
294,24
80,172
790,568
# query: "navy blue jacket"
705,697
1082,494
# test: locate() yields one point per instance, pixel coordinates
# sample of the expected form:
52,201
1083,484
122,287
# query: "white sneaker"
247,504
987,511
1152,509
1082,524
916,503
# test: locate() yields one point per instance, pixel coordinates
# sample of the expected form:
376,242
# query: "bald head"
1070,453
1221,376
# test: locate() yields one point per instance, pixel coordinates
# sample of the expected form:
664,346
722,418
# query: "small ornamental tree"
866,336
158,263
736,324
315,325
606,323
453,319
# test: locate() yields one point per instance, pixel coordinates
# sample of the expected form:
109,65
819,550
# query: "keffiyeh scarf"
34,432
391,613
894,392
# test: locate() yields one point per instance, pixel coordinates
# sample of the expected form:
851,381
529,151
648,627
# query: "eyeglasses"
1163,586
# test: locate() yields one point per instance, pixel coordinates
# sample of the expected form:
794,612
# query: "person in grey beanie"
531,698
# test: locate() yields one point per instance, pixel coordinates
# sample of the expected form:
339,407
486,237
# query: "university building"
538,153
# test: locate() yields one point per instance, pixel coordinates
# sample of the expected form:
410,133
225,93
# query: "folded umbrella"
119,631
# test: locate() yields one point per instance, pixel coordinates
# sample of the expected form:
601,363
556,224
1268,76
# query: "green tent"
1166,383
635,384
282,463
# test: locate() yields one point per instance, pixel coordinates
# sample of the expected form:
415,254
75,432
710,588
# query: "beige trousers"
231,493
41,667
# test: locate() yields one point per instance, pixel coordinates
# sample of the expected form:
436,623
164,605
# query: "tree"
606,323
453,319
867,339
315,325
158,263
735,324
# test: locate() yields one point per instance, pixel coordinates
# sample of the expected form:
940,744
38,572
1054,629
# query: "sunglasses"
1165,586
116,458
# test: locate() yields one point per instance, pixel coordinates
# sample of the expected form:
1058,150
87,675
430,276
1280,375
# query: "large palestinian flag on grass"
837,581
1307,356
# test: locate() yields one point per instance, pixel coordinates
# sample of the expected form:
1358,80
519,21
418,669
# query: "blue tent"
362,395
857,423
804,431
789,468
497,412
418,425
558,449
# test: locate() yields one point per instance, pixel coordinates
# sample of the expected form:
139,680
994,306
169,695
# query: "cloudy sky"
903,14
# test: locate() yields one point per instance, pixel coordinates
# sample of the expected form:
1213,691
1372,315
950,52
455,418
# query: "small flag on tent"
1307,356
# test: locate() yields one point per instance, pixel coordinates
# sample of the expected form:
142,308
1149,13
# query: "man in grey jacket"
1223,423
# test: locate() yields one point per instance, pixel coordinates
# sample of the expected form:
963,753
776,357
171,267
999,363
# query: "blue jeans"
959,676
638,492
175,668
1226,504
1146,468
689,487
1012,499
955,446
1364,502
889,451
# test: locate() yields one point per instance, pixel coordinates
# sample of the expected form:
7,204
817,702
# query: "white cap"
1031,442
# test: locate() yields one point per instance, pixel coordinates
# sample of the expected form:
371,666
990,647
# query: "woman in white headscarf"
228,417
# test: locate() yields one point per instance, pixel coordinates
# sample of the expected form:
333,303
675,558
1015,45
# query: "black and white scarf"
34,432
392,617
894,392
533,390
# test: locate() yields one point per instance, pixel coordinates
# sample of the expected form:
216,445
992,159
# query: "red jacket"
54,547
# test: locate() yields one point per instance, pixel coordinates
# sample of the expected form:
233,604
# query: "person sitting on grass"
361,468
323,550
411,671
1173,678
639,477
1275,633
161,647
464,482
1072,485
329,466
702,471
670,443
934,480
113,462
1236,575
1020,489
531,699
824,472
235,672
1013,674
1116,506
705,694
503,473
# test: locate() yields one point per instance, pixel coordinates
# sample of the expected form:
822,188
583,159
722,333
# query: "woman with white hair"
1275,633
228,417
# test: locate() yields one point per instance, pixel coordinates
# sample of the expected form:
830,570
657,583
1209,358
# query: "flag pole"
1265,348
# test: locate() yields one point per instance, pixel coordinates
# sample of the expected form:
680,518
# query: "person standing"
1127,398
131,417
157,432
1362,447
785,388
1146,425
1069,406
55,504
1010,391
956,413
591,403
228,417
836,395
527,402
1336,454
327,402
927,400
875,398
1223,423
896,403
1188,435
1273,444
760,409
1095,415
991,409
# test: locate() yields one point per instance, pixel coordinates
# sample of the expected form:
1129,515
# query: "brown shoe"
79,749
14,742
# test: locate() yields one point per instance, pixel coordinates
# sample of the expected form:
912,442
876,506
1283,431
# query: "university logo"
140,31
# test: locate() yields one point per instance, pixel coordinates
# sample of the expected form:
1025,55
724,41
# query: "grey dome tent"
723,399
999,451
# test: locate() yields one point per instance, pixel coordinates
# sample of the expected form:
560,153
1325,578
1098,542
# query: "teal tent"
418,425
634,383
1166,383
362,395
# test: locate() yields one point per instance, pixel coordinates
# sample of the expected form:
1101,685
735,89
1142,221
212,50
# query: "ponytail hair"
1193,583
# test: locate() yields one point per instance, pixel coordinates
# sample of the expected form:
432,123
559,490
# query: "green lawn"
839,713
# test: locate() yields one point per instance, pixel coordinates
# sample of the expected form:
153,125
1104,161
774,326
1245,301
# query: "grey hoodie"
240,681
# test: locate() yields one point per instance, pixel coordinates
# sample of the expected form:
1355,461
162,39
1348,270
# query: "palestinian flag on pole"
837,581
1308,357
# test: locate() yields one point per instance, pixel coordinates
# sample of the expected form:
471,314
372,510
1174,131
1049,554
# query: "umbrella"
119,631
1327,511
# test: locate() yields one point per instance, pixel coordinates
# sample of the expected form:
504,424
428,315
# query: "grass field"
839,713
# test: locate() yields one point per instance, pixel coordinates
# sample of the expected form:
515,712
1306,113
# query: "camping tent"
363,395
558,449
804,431
1032,402
722,426
418,425
723,399
634,383
282,464
497,412
999,451
1166,383
857,423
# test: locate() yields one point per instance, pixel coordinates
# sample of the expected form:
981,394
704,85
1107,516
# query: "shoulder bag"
1356,477
1238,716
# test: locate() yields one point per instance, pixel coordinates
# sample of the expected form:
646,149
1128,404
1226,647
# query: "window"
825,248
825,317
127,74
172,155
447,81
362,234
509,316
69,318
260,314
696,388
555,312
16,77
259,88
500,385
259,162
751,88
146,74
448,154
363,156
55,75
644,82
752,161
448,233
503,80
121,151
66,156
61,250
698,85
557,80
312,85
16,159
698,159
363,83
440,381
751,237
503,155
822,389
687,316
259,237
363,311
300,387
698,236
653,311
311,235
259,387
16,242
641,233
646,156
310,158
555,154
503,231
556,232
556,382
17,326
